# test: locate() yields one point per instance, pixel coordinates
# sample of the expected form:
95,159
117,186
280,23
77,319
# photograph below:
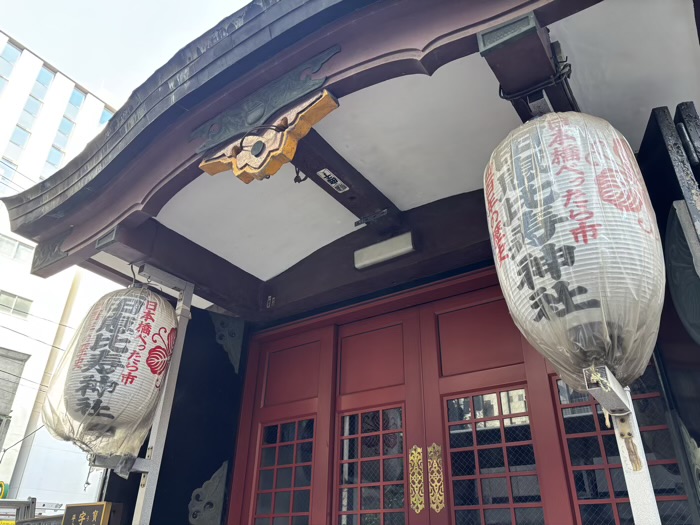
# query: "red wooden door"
285,476
439,414
489,418
379,420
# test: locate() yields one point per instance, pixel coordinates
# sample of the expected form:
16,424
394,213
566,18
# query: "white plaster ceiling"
630,56
419,139
263,227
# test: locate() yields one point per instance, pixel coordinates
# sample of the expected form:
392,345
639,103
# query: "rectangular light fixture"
384,251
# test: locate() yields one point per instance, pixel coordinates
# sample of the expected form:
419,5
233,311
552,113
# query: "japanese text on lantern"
566,155
105,356
494,217
532,216
143,331
85,347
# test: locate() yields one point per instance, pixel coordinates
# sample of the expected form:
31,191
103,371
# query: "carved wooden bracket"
261,152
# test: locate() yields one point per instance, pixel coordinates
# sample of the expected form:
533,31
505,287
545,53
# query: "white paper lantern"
120,358
576,245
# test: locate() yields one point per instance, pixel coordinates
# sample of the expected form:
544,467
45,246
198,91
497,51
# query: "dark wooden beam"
361,198
665,161
449,234
105,271
215,279
521,56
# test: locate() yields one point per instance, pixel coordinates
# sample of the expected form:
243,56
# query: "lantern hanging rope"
576,245
104,394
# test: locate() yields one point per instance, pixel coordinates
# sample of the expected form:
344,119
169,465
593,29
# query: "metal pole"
606,389
634,465
156,442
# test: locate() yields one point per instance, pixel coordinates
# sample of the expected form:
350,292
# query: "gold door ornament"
436,480
415,478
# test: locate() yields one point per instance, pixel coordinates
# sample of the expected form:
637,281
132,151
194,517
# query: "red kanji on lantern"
128,378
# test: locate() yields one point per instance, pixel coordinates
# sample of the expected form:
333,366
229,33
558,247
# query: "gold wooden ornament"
436,480
263,151
415,479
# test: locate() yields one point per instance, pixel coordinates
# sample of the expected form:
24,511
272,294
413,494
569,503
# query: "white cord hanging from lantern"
576,245
105,392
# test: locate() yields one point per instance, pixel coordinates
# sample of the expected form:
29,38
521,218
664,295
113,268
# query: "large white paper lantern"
120,358
576,245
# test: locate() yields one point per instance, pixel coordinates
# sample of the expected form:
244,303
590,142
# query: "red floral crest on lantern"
159,356
621,189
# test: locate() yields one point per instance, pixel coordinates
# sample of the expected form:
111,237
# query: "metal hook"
297,177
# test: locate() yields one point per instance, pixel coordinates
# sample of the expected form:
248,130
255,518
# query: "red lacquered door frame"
556,493
407,395
255,416
532,374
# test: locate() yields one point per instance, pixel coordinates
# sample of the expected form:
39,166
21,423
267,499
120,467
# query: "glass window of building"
19,136
42,83
106,116
76,101
77,98
45,76
29,113
32,106
9,56
8,170
65,128
55,157
15,250
17,142
14,305
11,53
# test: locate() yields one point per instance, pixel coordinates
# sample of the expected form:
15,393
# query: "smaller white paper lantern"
576,245
120,358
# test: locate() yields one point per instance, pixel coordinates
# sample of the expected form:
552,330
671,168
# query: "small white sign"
332,180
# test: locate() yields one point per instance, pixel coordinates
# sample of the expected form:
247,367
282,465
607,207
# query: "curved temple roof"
236,45
260,32
419,113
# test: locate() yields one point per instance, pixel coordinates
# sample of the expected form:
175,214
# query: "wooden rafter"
317,159
216,279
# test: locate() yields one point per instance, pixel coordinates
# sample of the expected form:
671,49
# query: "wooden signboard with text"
102,513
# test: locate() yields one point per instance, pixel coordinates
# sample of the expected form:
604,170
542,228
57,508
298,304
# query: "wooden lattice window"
283,495
491,460
371,460
595,473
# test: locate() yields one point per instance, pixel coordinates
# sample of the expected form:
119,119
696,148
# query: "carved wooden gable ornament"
261,152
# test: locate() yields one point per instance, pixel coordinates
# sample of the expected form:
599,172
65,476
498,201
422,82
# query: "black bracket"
368,219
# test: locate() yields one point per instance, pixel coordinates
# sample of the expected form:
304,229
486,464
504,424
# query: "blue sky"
110,47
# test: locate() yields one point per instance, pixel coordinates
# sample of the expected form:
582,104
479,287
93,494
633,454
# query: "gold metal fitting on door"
436,480
415,478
